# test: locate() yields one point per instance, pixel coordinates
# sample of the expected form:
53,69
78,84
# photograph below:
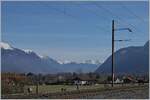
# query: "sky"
73,31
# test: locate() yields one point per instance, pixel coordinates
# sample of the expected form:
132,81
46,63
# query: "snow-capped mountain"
134,59
82,62
92,62
5,46
17,60
28,51
64,62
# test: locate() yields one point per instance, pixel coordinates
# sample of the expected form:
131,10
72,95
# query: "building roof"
84,78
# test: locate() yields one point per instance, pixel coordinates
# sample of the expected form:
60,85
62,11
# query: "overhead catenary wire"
63,11
131,12
138,30
111,13
96,14
74,17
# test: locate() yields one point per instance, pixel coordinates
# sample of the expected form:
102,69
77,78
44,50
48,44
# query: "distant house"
84,80
129,79
79,81
118,81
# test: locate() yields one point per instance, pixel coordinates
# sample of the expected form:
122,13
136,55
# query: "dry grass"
57,88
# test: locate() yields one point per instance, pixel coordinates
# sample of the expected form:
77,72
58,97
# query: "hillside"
134,59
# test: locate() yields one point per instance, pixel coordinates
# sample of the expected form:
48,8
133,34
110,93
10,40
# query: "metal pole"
37,87
113,30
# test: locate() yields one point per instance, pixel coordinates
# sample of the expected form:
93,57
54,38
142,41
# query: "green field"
57,88
42,89
54,91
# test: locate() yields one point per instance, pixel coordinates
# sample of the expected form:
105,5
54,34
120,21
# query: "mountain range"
23,61
133,59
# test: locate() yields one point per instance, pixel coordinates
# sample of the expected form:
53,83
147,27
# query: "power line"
63,11
107,10
94,12
131,12
70,15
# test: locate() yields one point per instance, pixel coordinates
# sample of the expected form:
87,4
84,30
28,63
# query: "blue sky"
74,31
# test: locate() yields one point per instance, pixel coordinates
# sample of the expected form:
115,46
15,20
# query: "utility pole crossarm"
119,29
123,40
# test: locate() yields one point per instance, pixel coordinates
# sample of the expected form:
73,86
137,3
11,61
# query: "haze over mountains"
134,59
17,60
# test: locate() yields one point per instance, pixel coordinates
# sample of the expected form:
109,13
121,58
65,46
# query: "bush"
11,89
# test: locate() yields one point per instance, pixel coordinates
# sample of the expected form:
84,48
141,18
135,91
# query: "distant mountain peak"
64,62
40,56
91,62
60,62
28,51
44,57
67,62
5,46
83,62
25,60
